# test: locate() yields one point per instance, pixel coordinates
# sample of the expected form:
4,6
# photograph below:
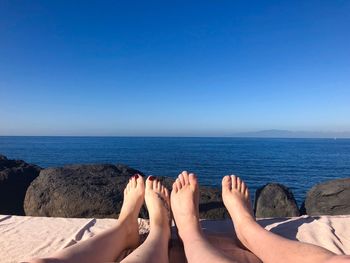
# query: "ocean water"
296,163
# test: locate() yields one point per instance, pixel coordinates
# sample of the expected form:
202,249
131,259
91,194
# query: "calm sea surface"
296,163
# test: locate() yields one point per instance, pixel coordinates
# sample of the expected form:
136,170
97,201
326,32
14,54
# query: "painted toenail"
136,176
151,178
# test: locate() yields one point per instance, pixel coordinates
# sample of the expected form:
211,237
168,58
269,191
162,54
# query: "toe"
159,186
155,183
149,182
178,183
175,187
182,179
239,184
226,183
133,182
192,178
166,192
246,193
163,188
186,180
243,187
139,181
234,182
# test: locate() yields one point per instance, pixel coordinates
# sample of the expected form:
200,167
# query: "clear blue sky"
173,67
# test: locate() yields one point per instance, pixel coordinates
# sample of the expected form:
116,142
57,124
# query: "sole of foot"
158,205
185,205
236,198
133,200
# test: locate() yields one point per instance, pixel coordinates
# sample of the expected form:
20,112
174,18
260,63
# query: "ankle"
159,231
241,219
129,224
189,235
245,226
124,217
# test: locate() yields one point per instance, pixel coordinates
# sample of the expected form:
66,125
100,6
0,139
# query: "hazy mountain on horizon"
275,133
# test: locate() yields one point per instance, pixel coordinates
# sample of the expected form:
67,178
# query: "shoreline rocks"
328,198
275,200
96,190
78,191
15,178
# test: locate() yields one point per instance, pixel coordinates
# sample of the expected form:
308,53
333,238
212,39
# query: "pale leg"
155,247
108,245
185,205
269,247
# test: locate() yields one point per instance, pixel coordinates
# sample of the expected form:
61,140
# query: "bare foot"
158,205
236,198
133,200
185,205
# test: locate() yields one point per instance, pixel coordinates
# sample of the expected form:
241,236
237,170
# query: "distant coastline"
294,134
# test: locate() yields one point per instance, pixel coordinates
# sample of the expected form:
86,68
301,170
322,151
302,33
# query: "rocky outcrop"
96,191
275,200
329,198
78,191
15,177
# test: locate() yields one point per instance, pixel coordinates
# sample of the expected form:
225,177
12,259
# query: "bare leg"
155,247
266,245
184,204
107,246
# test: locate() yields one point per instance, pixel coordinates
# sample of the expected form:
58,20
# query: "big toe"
149,182
139,181
226,183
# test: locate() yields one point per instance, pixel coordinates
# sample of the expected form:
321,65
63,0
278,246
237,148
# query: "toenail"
136,176
151,178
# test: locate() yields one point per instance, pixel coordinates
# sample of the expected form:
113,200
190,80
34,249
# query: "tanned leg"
108,245
269,247
185,207
155,247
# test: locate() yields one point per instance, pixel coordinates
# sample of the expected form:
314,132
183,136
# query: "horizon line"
180,136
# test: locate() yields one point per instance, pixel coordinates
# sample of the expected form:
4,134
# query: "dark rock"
78,191
275,200
97,191
15,177
329,198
